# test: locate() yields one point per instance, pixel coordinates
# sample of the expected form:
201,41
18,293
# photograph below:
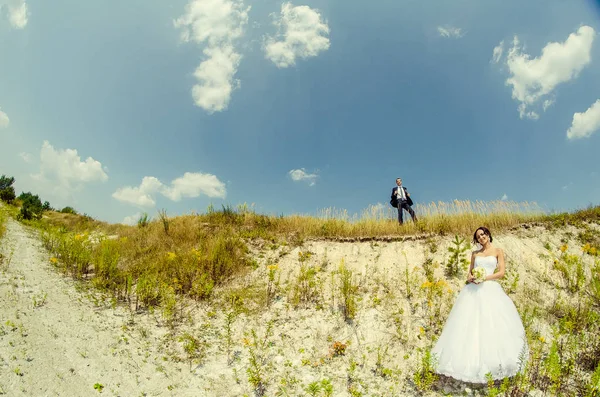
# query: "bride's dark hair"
485,231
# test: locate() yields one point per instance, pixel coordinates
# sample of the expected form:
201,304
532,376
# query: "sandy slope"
65,345
58,339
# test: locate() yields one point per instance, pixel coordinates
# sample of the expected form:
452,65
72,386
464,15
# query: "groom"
401,200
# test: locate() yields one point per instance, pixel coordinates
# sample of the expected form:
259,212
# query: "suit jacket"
394,198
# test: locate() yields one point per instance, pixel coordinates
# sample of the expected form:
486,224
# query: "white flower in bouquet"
479,274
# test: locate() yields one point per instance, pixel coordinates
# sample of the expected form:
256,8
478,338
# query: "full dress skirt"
483,333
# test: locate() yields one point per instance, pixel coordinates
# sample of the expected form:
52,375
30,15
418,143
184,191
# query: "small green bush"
7,191
68,210
32,207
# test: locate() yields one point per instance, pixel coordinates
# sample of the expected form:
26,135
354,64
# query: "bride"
483,333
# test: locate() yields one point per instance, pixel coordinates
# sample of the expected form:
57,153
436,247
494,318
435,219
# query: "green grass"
2,221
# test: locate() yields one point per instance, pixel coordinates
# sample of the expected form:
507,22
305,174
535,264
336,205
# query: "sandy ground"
54,341
58,338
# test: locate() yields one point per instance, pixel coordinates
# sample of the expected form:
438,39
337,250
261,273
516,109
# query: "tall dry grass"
192,254
457,217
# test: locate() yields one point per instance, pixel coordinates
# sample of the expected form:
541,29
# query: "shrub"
32,207
457,261
67,210
7,191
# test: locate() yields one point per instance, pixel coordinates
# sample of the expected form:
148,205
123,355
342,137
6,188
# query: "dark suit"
402,204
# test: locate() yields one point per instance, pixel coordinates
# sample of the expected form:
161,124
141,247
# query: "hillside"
307,317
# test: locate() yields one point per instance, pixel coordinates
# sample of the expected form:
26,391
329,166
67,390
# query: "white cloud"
217,24
131,220
27,157
17,12
65,170
498,51
302,34
141,195
215,78
450,32
586,123
300,175
504,197
532,79
193,184
547,104
524,113
4,120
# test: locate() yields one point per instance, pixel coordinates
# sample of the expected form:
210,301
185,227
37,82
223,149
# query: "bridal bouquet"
479,274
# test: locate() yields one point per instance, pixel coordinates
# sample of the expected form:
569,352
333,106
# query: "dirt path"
54,341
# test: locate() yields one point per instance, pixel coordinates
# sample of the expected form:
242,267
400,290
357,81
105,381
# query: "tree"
32,206
7,191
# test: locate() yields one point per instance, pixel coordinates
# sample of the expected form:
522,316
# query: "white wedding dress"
483,333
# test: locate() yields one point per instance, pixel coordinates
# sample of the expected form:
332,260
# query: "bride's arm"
501,267
469,274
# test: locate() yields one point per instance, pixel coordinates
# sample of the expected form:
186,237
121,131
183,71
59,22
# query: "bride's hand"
470,278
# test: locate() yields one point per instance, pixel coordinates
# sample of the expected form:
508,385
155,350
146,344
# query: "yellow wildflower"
542,339
273,267
593,251
426,284
586,248
564,248
246,341
78,237
171,256
421,330
53,260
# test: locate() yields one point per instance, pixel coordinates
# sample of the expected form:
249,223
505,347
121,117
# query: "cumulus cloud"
302,34
586,123
450,32
504,197
4,120
191,184
217,24
141,195
533,79
66,172
17,12
300,175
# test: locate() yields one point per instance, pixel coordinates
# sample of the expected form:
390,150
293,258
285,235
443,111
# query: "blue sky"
117,108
